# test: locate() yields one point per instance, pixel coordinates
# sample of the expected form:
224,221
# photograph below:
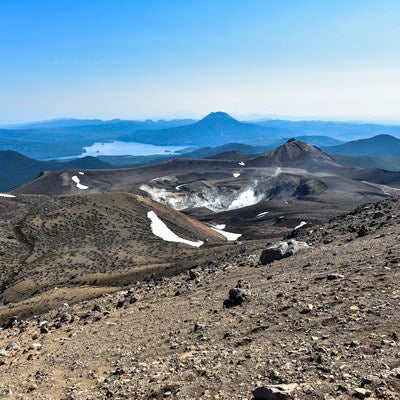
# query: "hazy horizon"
296,60
194,116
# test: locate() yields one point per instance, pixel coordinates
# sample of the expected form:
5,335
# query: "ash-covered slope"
127,179
322,324
96,239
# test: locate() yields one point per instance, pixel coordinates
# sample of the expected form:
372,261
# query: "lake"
117,148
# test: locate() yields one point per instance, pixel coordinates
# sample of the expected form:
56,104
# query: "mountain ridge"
215,129
379,145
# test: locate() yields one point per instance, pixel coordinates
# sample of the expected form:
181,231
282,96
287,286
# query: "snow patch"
262,214
229,235
241,163
78,183
302,223
161,230
6,195
220,226
236,174
81,173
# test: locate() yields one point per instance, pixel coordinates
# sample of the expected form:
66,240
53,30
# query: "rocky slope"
98,240
322,324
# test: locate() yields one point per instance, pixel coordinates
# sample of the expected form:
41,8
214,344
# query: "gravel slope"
324,321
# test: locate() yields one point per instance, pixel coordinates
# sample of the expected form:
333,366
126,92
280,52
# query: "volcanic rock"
237,295
282,250
280,392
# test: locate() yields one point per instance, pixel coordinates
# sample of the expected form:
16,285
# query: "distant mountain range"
215,129
380,145
68,137
339,130
72,122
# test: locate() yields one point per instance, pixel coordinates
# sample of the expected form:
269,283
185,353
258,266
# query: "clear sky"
135,59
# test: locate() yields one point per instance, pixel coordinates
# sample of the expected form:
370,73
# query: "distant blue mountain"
73,122
339,130
215,129
382,162
380,145
68,137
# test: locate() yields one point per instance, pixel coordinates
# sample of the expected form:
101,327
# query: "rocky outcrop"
282,250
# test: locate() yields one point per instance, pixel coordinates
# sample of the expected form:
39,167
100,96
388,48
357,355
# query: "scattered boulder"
35,346
10,323
361,393
120,303
237,295
282,250
333,277
98,307
66,318
306,309
362,231
275,392
193,274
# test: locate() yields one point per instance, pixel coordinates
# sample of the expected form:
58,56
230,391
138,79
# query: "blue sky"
137,59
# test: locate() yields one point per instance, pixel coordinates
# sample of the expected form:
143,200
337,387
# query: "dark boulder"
237,295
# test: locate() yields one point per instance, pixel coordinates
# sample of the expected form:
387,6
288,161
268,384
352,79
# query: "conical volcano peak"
296,154
295,149
218,116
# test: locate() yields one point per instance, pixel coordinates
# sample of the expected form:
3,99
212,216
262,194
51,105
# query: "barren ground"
325,320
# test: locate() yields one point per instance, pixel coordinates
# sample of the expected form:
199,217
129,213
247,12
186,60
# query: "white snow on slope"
229,235
262,214
236,174
302,223
81,173
6,195
220,227
78,183
241,163
161,230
